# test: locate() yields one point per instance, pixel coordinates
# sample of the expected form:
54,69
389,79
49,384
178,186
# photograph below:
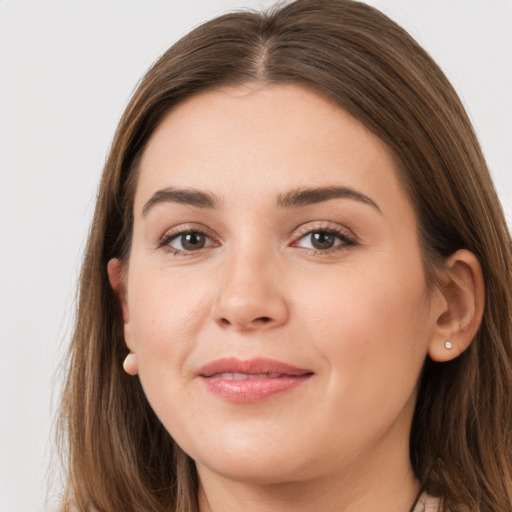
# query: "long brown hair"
120,457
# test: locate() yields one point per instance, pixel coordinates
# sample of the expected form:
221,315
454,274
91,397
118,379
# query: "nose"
251,295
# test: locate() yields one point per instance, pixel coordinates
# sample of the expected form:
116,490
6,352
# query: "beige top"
428,503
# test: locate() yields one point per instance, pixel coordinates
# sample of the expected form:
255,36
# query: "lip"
249,381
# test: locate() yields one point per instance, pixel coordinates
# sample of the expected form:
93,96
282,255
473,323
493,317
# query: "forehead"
264,140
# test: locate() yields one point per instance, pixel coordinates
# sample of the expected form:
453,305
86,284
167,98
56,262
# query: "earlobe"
460,314
130,364
114,276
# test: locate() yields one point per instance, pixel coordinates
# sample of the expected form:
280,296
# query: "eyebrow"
190,197
293,199
305,196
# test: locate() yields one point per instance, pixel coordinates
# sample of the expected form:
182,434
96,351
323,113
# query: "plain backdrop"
67,69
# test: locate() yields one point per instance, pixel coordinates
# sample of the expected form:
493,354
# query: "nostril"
262,320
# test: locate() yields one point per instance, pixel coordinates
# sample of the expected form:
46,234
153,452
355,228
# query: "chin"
261,470
258,462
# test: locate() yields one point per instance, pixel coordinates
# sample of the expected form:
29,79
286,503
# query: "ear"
460,311
115,277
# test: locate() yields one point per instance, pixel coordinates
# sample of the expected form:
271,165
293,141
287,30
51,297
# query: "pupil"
322,240
193,241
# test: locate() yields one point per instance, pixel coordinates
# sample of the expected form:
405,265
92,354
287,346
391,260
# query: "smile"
251,381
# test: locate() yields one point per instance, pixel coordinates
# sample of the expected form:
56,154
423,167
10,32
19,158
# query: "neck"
387,485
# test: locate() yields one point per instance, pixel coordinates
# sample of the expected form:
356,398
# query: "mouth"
237,381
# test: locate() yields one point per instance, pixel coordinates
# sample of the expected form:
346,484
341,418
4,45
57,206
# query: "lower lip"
250,391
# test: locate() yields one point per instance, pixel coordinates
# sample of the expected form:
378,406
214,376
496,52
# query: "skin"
359,315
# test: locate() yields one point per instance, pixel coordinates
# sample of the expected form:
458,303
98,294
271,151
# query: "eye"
188,241
324,240
321,240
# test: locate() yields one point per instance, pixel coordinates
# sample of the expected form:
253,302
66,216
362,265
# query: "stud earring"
130,364
448,345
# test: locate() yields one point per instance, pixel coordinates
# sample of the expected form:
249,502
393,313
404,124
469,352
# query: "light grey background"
67,70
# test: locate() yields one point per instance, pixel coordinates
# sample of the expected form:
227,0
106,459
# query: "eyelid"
328,226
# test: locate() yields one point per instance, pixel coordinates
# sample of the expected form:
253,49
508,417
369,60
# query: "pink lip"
250,381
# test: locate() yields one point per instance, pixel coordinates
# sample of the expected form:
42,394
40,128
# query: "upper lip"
257,366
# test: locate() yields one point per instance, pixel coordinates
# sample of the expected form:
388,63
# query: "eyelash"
346,240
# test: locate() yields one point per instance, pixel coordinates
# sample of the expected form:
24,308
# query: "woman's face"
275,297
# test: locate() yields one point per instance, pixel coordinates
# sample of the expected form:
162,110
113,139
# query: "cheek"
166,318
166,314
371,325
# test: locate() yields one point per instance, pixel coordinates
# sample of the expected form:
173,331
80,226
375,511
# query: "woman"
296,291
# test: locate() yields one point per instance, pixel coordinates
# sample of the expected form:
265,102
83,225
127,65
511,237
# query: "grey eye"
322,240
192,241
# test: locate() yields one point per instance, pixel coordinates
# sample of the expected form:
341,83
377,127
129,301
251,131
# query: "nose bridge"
249,294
